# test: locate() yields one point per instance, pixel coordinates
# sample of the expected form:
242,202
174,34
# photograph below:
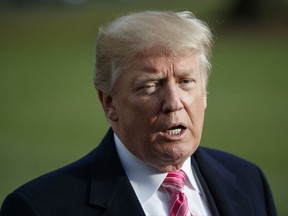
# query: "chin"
168,165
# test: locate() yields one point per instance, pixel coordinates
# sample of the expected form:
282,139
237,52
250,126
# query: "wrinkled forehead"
156,63
155,58
164,51
155,55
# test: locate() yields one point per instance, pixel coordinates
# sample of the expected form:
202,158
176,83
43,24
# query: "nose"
171,99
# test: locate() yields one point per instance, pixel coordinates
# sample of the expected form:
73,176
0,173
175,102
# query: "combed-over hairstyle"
119,42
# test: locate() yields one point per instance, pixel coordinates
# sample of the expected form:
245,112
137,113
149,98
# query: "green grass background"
50,115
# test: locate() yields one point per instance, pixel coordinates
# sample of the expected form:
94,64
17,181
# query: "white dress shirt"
146,182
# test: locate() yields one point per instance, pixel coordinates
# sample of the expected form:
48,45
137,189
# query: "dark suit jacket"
97,185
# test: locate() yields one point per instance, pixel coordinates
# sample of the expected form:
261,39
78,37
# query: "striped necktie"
174,184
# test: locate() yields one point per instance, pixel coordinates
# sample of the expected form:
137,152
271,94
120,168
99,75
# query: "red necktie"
174,183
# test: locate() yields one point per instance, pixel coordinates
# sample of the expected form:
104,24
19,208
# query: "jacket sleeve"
17,204
270,205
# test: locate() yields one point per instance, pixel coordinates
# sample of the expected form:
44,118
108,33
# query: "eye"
149,88
187,83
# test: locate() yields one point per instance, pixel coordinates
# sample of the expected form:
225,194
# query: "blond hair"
121,40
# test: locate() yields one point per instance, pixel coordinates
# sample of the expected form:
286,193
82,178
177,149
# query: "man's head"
151,74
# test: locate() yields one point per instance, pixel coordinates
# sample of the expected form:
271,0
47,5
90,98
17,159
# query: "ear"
108,106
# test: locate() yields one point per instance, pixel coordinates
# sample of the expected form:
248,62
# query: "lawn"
50,116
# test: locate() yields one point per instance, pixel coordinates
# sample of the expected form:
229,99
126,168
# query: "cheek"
199,119
196,110
148,107
137,112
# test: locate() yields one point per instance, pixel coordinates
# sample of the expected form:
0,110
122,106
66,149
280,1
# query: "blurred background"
49,112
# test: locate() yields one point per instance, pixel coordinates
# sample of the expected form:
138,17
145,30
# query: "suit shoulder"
70,179
214,162
62,188
223,170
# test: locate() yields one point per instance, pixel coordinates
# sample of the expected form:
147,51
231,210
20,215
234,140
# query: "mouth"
175,130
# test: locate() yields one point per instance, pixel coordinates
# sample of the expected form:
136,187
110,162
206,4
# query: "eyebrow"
146,77
151,74
185,71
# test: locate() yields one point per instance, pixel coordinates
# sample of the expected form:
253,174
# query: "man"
151,75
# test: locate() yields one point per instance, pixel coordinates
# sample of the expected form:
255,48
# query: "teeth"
174,131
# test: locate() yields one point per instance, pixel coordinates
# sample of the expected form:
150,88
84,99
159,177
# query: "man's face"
157,109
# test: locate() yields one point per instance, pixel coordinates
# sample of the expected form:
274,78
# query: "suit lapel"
211,203
228,196
110,187
116,197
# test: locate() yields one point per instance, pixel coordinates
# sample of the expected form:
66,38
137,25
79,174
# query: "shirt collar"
191,180
144,178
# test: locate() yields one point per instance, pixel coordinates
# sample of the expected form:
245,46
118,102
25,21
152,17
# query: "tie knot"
174,181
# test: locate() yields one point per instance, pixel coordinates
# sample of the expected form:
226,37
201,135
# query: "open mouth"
176,130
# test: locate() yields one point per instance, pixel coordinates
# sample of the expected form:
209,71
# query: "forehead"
154,61
157,66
